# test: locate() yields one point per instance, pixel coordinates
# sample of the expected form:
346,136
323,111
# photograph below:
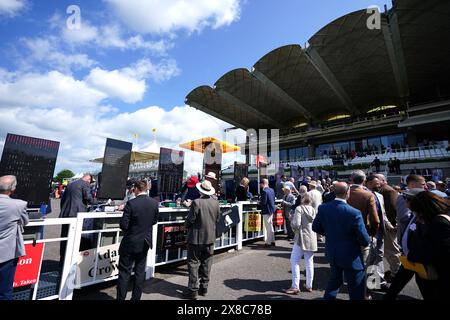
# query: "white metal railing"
95,260
427,152
56,281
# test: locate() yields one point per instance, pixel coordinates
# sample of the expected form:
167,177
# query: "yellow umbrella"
200,144
136,157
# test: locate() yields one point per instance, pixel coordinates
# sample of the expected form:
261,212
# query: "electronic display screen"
32,161
116,165
170,170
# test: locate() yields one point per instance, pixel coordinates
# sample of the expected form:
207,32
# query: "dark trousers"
355,281
7,271
290,232
427,288
199,260
126,261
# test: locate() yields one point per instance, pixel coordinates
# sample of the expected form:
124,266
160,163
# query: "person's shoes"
203,291
368,297
388,276
306,289
267,245
291,291
189,294
273,244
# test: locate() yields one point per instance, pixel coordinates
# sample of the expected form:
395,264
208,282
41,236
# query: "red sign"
260,158
28,267
278,219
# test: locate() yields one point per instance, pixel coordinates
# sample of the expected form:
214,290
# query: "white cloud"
117,84
55,89
129,83
12,7
48,51
49,90
84,34
167,16
107,36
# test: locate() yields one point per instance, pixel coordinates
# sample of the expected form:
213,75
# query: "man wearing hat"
192,192
212,177
201,223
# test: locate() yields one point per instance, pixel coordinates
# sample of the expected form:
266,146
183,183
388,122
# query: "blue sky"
133,62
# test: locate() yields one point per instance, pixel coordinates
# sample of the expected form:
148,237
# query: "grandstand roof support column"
411,138
320,65
311,151
392,38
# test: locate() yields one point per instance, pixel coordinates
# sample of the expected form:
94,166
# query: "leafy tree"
63,174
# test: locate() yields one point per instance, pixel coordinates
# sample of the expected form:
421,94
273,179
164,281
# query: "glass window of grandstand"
294,154
361,147
335,150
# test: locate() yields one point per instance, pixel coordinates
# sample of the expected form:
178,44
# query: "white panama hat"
206,188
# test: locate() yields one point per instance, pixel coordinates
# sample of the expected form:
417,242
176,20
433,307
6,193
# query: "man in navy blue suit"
267,203
345,233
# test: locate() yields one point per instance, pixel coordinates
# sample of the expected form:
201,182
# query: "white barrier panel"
92,250
30,282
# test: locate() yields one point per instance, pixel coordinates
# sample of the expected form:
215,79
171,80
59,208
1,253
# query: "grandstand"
351,93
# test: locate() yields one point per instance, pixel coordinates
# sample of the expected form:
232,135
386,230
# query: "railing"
354,122
92,250
426,152
40,284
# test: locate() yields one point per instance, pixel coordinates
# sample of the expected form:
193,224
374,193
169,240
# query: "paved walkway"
254,273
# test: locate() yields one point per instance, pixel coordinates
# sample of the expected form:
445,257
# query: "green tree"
63,174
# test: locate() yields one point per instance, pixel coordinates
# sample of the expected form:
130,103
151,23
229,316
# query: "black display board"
212,162
32,161
172,236
170,170
240,171
116,165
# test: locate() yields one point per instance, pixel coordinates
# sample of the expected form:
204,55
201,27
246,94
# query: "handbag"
426,272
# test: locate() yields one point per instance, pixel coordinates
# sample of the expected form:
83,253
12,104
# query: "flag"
136,135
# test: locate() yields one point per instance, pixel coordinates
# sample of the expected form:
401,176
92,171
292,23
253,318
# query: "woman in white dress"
305,244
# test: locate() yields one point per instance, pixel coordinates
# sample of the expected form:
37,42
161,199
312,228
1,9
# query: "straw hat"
206,188
211,175
313,183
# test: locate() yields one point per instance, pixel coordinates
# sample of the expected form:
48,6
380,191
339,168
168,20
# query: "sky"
79,72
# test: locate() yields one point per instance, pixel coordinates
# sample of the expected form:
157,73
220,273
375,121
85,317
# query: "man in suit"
362,199
376,255
287,205
139,216
75,199
204,214
13,216
267,203
344,229
391,247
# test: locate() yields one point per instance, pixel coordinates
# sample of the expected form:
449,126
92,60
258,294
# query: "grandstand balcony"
422,153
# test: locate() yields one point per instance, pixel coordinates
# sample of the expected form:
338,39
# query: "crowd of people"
364,222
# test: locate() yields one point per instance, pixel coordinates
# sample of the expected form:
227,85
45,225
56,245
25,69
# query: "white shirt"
342,200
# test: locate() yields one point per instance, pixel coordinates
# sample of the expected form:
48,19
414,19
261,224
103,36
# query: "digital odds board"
32,161
115,169
170,170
